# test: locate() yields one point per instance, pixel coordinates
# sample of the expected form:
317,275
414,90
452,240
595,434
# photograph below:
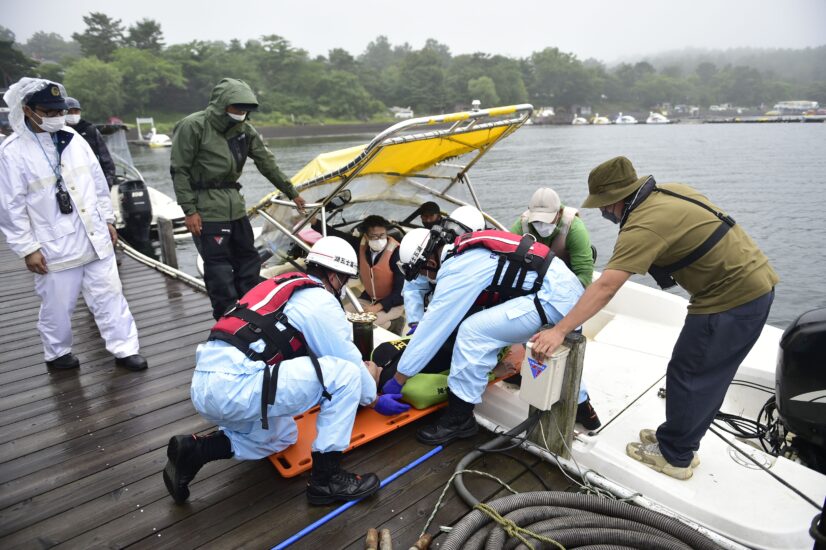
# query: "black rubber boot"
329,483
457,422
186,455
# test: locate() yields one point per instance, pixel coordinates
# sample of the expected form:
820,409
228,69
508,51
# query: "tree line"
118,70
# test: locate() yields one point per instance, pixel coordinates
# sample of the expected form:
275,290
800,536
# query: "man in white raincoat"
56,214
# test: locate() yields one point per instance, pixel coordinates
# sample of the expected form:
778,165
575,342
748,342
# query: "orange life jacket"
377,279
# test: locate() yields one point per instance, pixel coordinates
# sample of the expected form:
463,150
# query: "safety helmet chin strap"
439,236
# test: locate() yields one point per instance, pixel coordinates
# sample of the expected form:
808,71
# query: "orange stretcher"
369,425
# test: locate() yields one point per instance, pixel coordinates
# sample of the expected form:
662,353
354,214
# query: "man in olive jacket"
209,149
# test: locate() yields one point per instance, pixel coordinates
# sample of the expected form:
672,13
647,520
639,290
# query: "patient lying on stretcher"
429,387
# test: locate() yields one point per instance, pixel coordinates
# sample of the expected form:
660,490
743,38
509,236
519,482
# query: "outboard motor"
801,385
136,211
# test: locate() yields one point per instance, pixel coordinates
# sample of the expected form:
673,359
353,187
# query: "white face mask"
377,245
71,120
52,124
544,229
237,118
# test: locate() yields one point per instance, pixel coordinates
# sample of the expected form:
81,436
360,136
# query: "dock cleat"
650,455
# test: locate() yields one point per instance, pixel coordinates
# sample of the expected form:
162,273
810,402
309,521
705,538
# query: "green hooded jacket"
202,156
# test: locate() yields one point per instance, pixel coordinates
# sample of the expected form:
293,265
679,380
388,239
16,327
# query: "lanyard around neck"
55,167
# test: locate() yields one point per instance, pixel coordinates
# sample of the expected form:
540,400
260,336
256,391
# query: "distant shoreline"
321,130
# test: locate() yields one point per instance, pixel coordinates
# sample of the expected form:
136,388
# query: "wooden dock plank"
81,453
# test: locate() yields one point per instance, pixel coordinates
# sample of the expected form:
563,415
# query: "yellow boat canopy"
399,159
402,167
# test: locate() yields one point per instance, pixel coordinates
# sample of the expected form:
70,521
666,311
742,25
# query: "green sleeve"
578,244
517,226
185,144
265,161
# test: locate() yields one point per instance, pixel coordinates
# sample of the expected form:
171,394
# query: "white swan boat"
625,119
600,120
657,118
579,120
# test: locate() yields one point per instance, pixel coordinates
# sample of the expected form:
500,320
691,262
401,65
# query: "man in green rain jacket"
209,149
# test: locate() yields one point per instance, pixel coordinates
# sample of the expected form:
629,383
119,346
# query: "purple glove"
391,387
413,327
389,404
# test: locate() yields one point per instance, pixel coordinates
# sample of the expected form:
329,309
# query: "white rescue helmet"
413,251
464,220
336,254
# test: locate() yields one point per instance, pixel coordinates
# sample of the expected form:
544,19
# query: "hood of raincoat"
229,91
17,95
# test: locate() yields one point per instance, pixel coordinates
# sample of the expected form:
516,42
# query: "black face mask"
609,215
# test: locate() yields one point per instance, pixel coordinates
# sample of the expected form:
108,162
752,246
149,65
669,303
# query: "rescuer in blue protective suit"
460,280
227,389
415,292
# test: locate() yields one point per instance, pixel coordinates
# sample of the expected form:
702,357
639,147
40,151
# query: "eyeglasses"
50,112
376,236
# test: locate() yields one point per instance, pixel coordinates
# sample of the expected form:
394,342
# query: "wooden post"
169,254
558,424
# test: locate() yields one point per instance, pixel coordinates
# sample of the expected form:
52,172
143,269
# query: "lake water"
770,177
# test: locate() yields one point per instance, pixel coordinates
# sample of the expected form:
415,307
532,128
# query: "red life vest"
255,315
521,254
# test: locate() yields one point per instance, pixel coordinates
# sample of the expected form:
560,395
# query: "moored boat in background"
657,118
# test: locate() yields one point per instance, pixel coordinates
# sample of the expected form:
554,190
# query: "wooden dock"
81,452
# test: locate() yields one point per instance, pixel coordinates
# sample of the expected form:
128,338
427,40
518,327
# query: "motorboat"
625,119
761,479
545,115
137,205
657,118
579,120
600,120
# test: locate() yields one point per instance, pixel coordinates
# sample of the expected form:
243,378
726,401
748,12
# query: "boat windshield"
115,137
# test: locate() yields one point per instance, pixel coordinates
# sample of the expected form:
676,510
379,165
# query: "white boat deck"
625,363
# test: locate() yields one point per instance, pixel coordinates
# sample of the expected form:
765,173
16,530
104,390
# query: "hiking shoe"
587,416
342,486
68,361
650,455
648,436
448,428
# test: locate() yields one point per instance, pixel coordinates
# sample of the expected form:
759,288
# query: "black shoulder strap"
722,217
662,274
274,339
516,266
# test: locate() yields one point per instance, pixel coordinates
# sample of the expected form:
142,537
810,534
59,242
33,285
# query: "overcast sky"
608,30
